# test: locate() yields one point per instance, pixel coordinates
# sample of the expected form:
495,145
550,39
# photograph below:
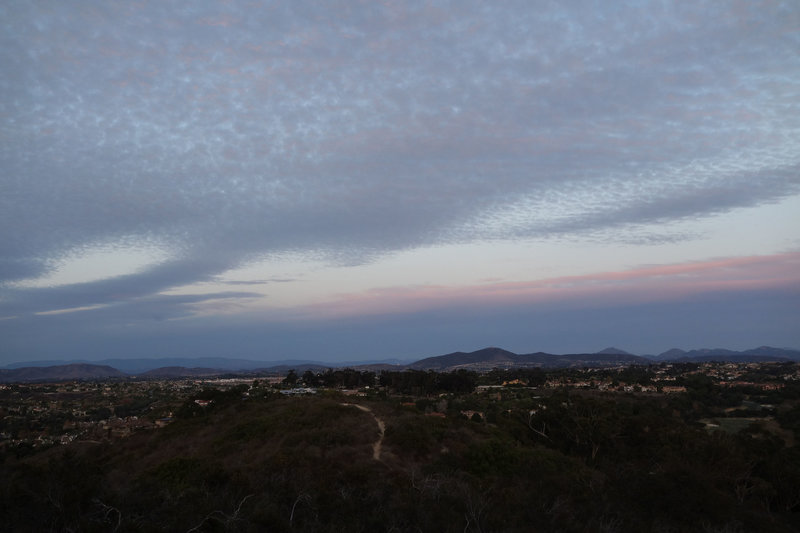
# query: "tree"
291,378
310,379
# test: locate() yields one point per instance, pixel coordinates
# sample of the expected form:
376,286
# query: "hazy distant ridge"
484,359
60,372
142,365
489,357
721,354
179,372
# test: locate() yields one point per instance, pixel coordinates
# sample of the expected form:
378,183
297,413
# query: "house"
298,390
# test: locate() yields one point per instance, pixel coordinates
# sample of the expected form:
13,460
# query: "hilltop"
248,458
479,360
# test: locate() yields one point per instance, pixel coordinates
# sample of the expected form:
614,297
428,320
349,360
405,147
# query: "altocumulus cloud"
222,132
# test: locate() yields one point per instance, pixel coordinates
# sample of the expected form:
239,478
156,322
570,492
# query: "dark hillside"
492,355
510,460
489,358
77,371
284,463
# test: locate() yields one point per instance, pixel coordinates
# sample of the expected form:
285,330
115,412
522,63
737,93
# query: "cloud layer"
222,132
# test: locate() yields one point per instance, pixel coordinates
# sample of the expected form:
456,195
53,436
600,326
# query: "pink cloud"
640,285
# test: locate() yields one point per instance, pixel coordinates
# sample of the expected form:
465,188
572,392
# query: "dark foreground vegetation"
454,457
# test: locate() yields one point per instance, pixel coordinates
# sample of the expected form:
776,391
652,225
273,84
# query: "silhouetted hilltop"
459,359
60,372
756,355
613,351
479,360
672,353
495,357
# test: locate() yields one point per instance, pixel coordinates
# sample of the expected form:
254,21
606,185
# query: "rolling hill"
489,358
60,372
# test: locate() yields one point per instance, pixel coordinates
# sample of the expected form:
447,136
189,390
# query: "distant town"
39,415
469,439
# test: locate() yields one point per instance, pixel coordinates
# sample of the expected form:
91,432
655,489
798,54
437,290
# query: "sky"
361,180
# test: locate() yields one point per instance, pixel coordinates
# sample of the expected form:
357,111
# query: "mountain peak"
672,353
613,351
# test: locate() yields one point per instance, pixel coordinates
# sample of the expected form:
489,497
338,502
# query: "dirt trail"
376,446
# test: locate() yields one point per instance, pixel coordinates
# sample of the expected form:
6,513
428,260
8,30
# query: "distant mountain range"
141,366
489,358
479,360
761,353
179,372
60,373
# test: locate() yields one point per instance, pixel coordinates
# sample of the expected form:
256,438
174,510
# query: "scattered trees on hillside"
420,383
551,459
